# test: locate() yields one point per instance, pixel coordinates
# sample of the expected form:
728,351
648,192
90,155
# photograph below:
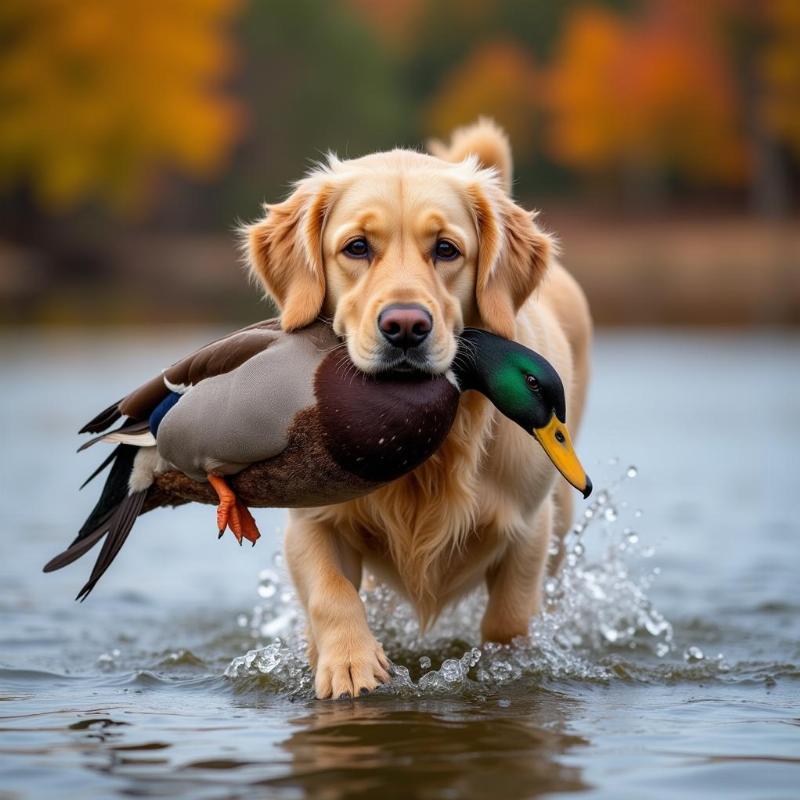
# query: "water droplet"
242,620
637,513
474,656
632,472
504,702
611,634
602,498
424,662
662,648
551,586
692,654
588,513
578,549
610,514
631,536
266,590
451,670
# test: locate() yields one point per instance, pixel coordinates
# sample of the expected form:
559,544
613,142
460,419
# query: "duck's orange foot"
232,513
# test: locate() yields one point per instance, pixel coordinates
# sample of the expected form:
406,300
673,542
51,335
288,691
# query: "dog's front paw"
349,666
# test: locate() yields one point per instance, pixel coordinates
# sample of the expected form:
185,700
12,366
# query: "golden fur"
487,505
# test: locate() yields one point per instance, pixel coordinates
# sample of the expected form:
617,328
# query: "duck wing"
119,505
220,356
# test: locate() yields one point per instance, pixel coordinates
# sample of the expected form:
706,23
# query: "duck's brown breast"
379,427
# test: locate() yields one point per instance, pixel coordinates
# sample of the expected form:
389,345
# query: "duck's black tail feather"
105,419
118,529
114,514
106,461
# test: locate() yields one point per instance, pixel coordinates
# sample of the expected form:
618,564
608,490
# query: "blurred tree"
97,96
779,68
498,80
315,78
584,98
649,98
766,52
397,22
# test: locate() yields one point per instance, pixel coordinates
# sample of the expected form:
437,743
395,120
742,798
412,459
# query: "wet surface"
667,662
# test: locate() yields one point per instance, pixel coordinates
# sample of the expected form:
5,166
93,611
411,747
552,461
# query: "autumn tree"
646,95
98,96
779,70
708,92
498,80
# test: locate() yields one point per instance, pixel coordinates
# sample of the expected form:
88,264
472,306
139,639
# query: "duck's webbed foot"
232,513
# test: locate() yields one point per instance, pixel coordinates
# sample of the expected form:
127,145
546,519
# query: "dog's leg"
515,581
327,572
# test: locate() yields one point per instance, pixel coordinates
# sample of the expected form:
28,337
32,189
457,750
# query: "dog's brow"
432,222
368,219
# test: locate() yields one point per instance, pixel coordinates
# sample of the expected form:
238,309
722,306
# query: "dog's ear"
513,255
284,252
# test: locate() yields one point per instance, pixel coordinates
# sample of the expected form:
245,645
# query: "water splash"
596,607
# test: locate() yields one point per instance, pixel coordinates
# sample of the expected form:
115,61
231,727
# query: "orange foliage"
498,80
583,91
646,93
98,95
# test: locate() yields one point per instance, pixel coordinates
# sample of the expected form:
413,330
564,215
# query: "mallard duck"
265,418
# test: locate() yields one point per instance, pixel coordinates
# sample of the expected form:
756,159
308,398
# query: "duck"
268,418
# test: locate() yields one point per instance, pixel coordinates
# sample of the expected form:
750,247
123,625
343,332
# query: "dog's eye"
445,251
357,248
533,384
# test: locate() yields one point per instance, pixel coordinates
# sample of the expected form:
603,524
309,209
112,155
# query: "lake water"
667,664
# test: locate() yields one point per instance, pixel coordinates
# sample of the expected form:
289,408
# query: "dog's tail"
484,139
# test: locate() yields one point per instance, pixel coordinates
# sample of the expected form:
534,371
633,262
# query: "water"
667,661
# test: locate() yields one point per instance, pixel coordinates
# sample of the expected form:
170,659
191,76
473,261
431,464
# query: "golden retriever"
418,245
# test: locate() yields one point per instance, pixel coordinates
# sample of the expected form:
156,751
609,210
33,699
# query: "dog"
418,245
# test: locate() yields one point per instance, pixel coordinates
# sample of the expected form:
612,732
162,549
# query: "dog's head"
401,250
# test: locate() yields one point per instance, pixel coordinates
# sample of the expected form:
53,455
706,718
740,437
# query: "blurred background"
660,139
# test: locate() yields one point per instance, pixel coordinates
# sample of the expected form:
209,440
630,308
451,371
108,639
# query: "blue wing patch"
161,410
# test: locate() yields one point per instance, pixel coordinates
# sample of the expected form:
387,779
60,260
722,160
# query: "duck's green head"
525,387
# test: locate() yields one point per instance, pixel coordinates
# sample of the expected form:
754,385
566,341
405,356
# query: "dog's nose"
405,325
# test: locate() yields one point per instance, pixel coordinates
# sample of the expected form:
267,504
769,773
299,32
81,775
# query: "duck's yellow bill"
555,439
